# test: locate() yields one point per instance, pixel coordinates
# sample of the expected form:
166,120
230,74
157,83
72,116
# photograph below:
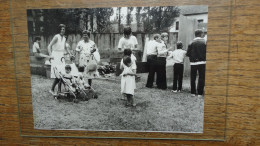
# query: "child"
178,56
128,79
128,41
128,52
36,49
81,82
68,78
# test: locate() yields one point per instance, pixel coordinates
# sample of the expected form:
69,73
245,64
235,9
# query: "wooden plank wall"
243,100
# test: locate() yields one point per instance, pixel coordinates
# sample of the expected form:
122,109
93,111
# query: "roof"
193,9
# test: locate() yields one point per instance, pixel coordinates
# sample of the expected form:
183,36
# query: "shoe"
133,104
200,96
149,86
174,91
193,95
179,91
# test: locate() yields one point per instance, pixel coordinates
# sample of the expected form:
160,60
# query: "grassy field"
156,110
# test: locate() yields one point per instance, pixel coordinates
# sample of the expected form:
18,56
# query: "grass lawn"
156,110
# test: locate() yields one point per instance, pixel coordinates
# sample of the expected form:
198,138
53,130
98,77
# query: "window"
177,25
200,21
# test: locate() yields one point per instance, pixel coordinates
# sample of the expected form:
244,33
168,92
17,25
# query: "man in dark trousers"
197,55
152,59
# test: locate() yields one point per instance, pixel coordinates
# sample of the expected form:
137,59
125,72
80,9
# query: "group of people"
158,54
82,64
84,61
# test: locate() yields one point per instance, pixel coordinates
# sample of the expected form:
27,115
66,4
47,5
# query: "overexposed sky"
123,13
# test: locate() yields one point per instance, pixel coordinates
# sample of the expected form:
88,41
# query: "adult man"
152,59
197,55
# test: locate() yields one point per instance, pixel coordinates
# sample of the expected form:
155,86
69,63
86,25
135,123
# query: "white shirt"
162,50
178,55
60,44
35,47
152,47
125,43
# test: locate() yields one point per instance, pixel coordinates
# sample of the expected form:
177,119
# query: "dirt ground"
156,110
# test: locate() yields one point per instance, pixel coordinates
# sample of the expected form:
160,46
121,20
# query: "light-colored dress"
128,84
86,58
58,50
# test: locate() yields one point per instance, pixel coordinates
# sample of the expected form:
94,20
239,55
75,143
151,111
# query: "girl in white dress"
128,79
56,49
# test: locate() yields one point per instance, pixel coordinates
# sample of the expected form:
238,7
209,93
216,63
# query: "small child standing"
128,79
178,56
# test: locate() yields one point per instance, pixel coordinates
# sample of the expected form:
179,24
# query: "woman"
56,50
87,57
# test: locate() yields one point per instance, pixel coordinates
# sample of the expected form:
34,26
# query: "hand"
72,57
80,48
94,50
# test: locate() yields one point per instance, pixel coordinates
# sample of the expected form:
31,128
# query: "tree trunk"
119,19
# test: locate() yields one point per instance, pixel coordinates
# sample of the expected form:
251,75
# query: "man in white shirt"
152,53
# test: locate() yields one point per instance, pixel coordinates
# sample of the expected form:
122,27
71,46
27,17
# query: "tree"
138,18
158,19
103,18
128,17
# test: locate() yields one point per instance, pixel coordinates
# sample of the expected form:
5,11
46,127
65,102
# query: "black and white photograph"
131,69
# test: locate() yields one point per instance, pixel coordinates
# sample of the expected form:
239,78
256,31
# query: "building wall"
204,17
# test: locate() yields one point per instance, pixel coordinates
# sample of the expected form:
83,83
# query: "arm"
161,50
120,44
131,74
53,41
170,55
135,43
77,55
67,49
121,65
37,47
188,53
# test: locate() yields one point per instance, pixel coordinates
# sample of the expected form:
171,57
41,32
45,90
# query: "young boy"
178,56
